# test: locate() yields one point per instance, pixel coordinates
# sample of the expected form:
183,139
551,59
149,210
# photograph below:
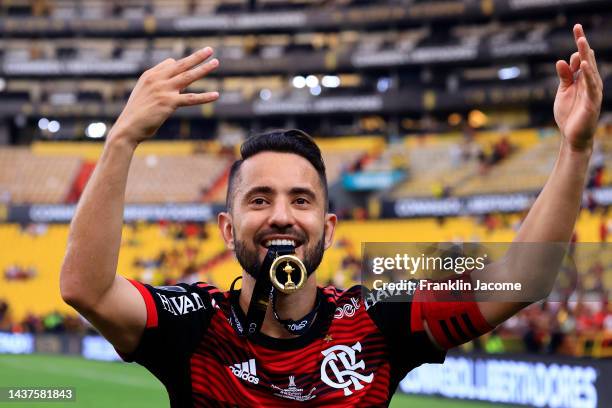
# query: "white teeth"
280,242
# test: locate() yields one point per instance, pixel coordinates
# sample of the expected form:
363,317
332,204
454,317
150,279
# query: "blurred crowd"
53,322
182,262
17,272
578,313
569,328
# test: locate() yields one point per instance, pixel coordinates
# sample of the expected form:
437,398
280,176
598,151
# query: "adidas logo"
246,371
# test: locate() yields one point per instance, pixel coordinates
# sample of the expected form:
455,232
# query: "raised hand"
578,101
157,95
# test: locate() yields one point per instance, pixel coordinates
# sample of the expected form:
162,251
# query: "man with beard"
280,340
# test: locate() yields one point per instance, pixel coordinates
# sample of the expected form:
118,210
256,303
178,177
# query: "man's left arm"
553,216
535,255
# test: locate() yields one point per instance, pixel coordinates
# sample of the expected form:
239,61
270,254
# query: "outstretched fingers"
184,79
190,61
190,99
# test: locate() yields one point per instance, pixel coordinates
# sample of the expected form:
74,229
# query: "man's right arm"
88,280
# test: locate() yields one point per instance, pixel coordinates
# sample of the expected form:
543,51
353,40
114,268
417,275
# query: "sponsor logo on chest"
347,309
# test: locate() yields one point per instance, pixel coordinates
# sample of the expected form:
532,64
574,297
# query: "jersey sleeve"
410,345
177,318
450,310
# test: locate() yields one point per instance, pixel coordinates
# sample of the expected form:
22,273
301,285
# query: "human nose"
282,215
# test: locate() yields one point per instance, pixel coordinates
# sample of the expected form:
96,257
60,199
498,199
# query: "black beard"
249,260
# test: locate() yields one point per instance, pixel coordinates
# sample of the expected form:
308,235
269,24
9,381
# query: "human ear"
224,221
330,228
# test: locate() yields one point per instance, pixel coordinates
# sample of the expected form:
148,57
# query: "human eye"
258,201
302,201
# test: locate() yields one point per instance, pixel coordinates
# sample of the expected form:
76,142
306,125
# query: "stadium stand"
160,173
185,179
143,244
494,58
434,165
165,253
29,178
527,170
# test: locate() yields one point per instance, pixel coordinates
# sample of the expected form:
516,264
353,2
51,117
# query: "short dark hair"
285,141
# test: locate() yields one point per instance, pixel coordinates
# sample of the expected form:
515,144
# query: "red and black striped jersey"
354,355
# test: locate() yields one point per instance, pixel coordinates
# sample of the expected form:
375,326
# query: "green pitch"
118,385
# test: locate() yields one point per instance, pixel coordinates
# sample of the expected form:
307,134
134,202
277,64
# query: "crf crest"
342,362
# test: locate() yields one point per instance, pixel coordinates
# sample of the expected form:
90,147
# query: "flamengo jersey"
354,355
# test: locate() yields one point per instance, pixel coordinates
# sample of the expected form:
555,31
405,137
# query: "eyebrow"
303,191
259,190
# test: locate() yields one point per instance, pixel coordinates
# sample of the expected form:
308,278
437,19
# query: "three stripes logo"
246,371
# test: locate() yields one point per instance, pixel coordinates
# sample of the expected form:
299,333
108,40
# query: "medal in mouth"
287,272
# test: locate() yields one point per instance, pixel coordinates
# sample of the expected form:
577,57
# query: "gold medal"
288,274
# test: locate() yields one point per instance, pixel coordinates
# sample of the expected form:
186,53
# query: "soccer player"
313,346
